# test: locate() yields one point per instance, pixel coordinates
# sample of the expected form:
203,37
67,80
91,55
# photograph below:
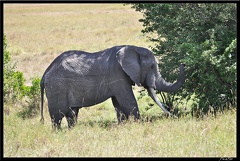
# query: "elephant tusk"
155,98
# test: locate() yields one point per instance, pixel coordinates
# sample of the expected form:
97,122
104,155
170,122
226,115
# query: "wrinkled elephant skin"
77,79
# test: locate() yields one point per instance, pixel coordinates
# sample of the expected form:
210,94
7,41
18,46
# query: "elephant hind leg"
56,120
56,116
71,117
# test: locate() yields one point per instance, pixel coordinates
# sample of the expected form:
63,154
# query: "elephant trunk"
162,85
155,98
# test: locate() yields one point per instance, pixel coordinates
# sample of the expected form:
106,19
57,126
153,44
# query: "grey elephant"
77,79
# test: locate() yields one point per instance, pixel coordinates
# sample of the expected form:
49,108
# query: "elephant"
77,79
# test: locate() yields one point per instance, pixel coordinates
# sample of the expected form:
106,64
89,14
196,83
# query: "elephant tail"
42,98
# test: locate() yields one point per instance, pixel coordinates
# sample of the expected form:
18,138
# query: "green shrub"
203,36
32,94
14,88
13,81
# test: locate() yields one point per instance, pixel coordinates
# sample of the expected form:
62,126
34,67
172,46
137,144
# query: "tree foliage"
203,36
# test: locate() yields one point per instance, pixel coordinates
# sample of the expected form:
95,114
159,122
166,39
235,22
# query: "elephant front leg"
126,107
120,114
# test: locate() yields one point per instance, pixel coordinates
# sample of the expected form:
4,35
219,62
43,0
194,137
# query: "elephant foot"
123,118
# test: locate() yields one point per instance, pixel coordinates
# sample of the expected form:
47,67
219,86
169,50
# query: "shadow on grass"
106,123
101,123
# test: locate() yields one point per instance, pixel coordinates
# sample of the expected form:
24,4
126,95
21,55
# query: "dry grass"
36,34
98,135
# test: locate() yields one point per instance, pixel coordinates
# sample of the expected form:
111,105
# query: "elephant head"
140,65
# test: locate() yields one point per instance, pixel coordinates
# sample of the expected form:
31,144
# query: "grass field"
100,136
37,33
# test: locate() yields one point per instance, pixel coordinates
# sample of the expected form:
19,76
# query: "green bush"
13,81
32,94
203,36
14,88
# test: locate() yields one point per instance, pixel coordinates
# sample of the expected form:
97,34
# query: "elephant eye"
152,66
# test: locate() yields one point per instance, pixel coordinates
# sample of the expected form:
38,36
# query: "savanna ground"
38,33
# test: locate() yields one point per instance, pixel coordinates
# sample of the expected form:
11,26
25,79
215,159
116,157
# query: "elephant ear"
129,60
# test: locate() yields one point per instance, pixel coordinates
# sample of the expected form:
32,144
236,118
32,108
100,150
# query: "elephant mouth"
153,95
